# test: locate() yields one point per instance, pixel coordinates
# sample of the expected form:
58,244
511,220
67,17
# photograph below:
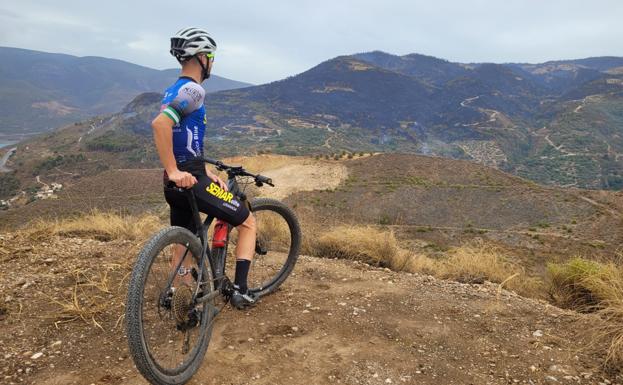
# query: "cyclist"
178,135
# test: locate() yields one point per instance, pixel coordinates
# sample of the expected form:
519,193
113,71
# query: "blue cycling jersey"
183,103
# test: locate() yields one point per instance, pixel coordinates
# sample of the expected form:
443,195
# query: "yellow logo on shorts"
218,192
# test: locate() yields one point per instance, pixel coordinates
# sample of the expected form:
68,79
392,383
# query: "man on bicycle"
178,135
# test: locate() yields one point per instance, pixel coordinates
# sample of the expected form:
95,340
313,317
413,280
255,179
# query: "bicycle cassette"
182,303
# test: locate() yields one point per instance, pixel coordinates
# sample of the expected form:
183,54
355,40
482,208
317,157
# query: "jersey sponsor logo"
197,149
183,104
193,93
218,192
232,208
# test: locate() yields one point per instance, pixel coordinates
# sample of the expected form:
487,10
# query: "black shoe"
241,301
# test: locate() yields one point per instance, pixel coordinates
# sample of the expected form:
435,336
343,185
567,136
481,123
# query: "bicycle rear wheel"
277,246
168,334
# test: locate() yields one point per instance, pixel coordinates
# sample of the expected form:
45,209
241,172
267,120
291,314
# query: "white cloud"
147,42
272,39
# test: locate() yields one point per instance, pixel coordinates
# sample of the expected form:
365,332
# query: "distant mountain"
556,123
42,90
427,68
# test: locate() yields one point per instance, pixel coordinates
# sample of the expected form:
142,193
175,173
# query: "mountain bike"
179,284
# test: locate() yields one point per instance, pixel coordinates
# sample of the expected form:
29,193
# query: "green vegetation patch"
583,284
9,185
55,161
114,141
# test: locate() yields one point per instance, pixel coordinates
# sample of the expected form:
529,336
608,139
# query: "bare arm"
163,137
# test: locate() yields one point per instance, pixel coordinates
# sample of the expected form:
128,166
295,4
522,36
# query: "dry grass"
103,226
273,231
590,286
582,284
80,306
479,261
90,297
361,243
471,263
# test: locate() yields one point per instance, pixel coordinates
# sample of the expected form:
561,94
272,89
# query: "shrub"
590,286
472,263
478,261
9,185
113,141
576,284
361,243
59,160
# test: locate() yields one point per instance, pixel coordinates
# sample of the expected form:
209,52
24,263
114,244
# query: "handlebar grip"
173,187
209,160
265,179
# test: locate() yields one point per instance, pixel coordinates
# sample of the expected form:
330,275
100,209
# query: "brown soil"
448,202
332,322
304,177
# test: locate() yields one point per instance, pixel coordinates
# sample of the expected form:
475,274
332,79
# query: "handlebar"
233,171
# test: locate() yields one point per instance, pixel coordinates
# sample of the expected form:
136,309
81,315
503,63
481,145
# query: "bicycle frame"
218,267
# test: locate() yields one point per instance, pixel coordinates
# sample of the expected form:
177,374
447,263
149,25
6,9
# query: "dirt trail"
304,177
5,158
332,322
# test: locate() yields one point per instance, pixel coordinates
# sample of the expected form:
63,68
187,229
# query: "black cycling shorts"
211,200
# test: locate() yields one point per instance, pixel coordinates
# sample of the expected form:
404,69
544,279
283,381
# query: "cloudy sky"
262,41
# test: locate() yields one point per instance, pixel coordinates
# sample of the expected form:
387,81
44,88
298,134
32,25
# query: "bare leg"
245,249
178,252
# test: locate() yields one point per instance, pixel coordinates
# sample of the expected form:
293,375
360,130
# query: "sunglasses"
210,55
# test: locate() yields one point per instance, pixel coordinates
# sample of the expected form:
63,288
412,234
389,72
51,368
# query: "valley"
554,123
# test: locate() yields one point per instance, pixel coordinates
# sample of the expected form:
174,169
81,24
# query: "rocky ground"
333,321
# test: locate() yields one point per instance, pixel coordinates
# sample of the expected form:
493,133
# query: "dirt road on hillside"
5,158
332,322
304,177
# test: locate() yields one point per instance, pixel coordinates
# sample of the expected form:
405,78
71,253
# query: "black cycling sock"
242,271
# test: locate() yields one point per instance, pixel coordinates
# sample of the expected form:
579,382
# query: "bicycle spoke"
167,323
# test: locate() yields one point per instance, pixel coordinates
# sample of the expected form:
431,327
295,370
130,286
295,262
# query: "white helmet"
188,42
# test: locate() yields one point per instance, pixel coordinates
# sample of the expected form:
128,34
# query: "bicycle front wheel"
277,245
168,333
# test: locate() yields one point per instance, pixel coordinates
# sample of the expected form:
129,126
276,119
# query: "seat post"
196,217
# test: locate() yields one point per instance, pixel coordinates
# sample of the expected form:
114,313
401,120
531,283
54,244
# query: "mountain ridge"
53,89
524,121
